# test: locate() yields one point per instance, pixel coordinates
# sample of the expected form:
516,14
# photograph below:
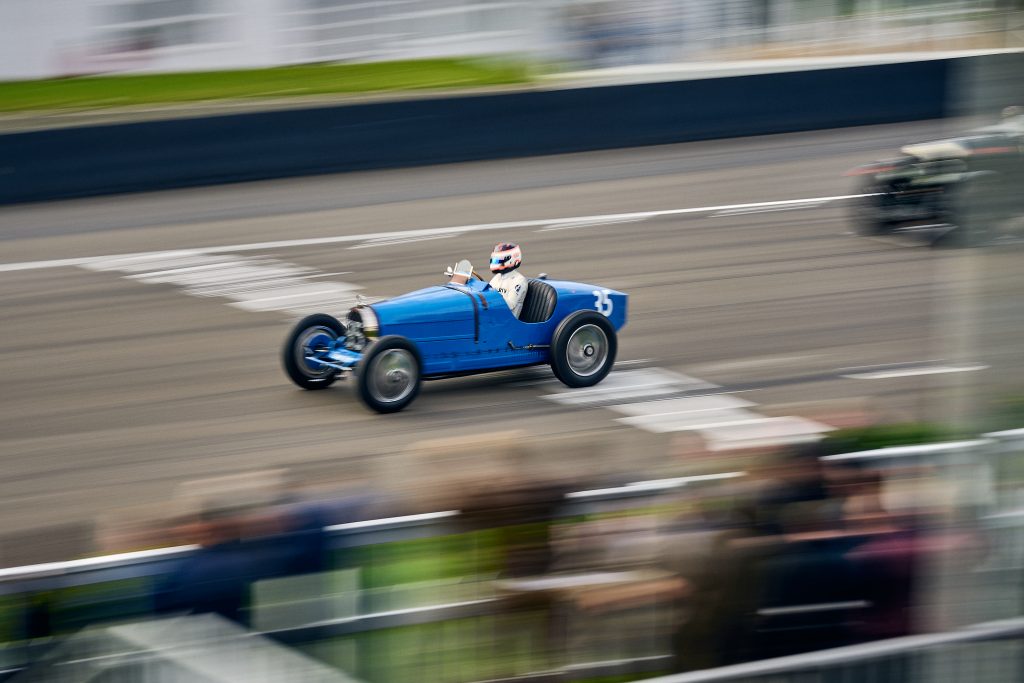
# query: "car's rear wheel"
313,334
389,375
969,213
583,349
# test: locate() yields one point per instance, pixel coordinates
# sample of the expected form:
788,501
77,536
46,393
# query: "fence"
434,625
982,653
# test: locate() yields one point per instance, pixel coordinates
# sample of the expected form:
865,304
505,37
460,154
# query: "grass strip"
103,92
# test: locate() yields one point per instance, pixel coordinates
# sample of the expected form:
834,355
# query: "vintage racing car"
461,327
953,191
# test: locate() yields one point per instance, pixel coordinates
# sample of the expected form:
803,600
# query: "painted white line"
425,232
883,366
620,387
775,431
37,265
753,363
403,240
913,372
650,400
340,272
572,225
809,204
255,284
731,419
681,406
302,292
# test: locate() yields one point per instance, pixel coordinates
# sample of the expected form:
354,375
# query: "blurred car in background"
956,191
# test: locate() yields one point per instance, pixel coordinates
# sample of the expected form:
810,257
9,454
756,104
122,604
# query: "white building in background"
53,38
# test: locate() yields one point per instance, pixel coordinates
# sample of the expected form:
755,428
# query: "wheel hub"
314,341
587,350
392,375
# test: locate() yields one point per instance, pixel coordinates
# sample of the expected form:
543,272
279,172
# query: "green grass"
99,92
889,435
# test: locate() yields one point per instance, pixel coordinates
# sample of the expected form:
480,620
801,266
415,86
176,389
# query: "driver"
505,262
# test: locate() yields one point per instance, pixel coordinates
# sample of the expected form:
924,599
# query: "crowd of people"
796,554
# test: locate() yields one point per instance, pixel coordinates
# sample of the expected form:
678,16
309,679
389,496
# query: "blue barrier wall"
82,161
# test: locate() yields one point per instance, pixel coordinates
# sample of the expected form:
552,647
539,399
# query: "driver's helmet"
506,257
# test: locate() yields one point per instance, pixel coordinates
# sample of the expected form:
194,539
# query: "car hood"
429,305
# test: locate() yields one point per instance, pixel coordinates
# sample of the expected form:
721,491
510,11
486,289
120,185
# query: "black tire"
866,213
297,346
583,362
390,390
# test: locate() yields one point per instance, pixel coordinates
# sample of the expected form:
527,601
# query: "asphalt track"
117,385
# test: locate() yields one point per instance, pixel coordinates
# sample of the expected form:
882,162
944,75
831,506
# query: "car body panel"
469,328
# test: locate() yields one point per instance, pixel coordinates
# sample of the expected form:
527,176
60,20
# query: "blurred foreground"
545,569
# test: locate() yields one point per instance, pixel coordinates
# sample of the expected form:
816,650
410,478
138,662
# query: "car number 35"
603,302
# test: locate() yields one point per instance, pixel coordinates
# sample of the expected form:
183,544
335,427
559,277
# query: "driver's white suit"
513,287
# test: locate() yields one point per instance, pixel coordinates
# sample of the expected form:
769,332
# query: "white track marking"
627,385
401,240
915,371
38,265
743,211
754,363
251,284
692,422
887,366
650,400
399,236
677,406
572,225
774,431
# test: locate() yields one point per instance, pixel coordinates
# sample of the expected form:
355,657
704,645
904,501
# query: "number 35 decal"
603,301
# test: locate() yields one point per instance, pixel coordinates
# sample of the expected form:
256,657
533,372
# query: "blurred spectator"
246,534
797,557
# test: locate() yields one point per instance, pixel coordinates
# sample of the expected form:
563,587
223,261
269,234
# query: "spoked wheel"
583,349
389,375
313,334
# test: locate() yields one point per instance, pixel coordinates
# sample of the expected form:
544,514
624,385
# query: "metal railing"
375,613
994,654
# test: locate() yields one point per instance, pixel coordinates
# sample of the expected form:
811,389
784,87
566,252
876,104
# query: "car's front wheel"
313,334
583,349
389,374
868,211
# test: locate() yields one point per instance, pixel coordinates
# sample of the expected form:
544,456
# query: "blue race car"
459,328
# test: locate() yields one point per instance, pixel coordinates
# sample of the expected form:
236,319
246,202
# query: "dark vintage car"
957,191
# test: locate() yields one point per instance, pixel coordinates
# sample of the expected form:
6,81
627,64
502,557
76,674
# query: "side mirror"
449,271
542,276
